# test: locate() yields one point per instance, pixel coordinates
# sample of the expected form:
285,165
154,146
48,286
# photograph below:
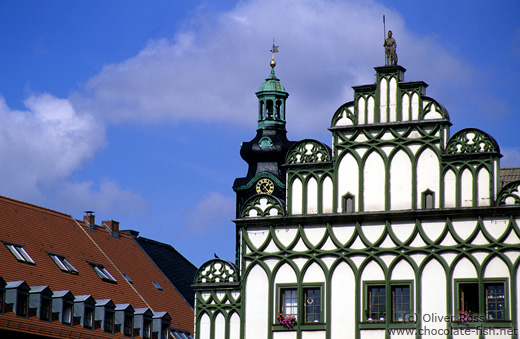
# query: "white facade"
397,231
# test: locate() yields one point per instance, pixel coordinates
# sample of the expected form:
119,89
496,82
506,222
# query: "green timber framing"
454,219
432,250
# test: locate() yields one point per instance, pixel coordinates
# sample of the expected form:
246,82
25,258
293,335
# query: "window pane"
69,266
129,324
110,277
400,303
377,302
495,301
312,299
100,273
22,305
67,314
58,262
289,301
15,252
468,298
25,255
45,310
89,317
109,321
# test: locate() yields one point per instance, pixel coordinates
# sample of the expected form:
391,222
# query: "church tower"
266,153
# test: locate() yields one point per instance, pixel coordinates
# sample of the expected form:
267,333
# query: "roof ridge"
33,206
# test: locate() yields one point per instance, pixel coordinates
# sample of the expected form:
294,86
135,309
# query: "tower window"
278,109
269,108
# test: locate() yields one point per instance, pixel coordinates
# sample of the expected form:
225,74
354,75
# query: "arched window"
269,107
428,199
278,109
348,203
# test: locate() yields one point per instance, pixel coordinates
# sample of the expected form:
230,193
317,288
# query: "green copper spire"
271,96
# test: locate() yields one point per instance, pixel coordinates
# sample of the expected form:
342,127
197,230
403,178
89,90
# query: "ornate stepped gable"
392,151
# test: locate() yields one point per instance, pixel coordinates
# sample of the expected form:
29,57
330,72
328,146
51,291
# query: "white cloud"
210,70
108,198
212,210
43,146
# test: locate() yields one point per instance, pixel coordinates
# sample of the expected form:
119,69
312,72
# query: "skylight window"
128,278
157,286
63,263
20,254
103,273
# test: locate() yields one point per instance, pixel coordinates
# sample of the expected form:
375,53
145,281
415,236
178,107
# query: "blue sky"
136,109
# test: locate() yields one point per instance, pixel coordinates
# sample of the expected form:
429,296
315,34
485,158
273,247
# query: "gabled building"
69,278
400,229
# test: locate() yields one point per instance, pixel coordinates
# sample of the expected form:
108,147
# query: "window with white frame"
103,273
20,253
63,263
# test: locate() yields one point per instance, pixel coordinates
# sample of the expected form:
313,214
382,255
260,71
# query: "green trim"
481,282
257,177
403,250
388,284
424,194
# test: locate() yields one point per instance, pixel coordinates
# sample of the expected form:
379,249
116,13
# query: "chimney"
113,226
90,219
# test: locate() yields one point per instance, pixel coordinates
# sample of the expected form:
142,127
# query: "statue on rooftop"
390,50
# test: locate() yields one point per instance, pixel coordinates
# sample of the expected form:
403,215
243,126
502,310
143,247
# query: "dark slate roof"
508,175
177,269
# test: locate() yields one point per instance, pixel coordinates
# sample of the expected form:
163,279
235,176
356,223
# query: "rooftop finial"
274,50
390,47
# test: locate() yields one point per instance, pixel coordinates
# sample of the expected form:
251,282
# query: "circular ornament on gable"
264,186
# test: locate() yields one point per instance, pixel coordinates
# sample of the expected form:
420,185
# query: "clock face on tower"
265,186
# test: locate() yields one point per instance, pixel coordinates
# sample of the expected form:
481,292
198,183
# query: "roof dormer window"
63,263
20,253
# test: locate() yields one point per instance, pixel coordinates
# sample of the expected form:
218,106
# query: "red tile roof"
42,231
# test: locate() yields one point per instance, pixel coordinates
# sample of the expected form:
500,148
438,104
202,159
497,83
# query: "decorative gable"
392,151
